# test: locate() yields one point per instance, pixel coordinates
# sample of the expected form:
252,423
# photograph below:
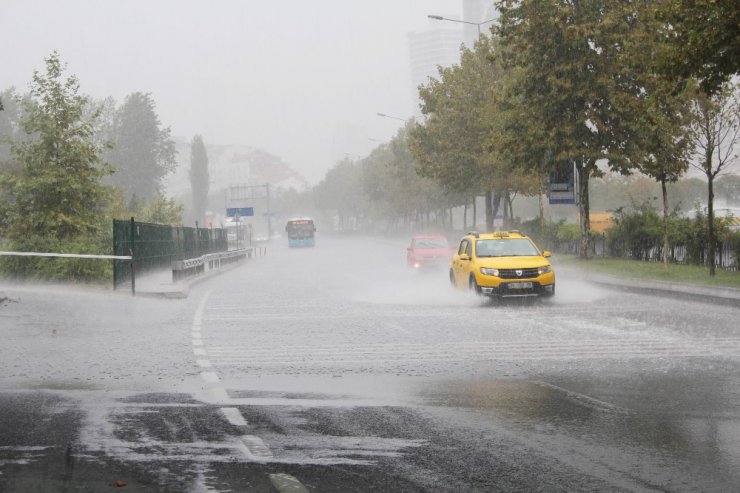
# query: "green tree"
727,189
704,40
58,198
142,151
573,92
662,112
717,128
162,210
10,131
340,193
199,178
457,144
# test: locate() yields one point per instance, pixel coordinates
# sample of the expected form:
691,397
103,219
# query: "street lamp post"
478,24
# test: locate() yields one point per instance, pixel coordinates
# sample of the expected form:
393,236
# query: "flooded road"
337,369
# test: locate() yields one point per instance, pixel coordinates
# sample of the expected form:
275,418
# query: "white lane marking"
216,396
233,416
197,342
585,400
198,318
199,351
203,363
256,447
209,376
285,483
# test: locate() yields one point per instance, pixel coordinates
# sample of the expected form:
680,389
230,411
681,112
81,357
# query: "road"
337,369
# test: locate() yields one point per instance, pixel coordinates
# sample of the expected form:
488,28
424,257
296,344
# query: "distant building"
601,221
429,49
440,44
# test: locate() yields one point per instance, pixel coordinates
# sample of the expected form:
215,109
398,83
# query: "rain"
397,246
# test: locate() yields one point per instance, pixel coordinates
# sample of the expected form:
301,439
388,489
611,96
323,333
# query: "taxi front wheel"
474,285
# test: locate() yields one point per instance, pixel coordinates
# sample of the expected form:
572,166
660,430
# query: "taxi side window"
463,246
469,249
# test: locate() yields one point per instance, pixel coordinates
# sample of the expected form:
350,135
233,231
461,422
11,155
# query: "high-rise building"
440,44
429,49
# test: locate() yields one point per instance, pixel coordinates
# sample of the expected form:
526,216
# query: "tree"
199,178
572,90
10,126
717,127
661,125
162,210
141,152
704,40
727,189
456,145
340,193
58,198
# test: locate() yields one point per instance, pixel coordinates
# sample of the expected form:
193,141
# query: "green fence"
155,246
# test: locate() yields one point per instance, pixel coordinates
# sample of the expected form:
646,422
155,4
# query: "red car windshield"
426,243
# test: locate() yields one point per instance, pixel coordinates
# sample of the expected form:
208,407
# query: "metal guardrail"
65,255
182,269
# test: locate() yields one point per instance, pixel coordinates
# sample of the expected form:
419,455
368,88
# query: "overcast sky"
287,76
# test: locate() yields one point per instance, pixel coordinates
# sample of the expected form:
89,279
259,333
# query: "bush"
635,232
55,268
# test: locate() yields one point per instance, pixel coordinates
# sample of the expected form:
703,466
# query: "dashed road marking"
233,416
285,483
253,447
217,396
256,447
209,376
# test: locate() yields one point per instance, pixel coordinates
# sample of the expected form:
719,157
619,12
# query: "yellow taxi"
502,264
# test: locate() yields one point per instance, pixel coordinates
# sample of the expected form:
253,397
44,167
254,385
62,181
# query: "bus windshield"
300,228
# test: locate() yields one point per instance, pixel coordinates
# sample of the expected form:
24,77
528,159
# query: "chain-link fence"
726,254
155,246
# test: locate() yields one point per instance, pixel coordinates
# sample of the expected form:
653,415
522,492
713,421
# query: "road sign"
240,211
561,184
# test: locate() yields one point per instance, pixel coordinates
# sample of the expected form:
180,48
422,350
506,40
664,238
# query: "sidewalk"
159,284
724,295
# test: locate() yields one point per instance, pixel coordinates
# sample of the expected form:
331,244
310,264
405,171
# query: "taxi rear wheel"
452,278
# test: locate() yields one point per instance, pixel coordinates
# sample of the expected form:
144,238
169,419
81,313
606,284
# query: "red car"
429,250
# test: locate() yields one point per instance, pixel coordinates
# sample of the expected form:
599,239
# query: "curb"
181,289
724,295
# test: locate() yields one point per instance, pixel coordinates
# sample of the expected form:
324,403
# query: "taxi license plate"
520,285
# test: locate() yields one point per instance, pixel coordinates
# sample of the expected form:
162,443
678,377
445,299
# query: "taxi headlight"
544,269
488,271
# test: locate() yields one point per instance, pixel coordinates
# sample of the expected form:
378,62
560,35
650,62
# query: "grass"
684,274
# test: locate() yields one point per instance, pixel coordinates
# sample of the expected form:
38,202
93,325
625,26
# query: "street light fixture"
478,24
391,116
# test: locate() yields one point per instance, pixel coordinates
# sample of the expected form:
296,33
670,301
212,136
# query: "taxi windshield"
505,247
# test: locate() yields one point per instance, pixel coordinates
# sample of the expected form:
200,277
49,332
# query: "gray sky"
285,76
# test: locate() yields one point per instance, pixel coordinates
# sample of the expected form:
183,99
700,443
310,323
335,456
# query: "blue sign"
561,184
240,211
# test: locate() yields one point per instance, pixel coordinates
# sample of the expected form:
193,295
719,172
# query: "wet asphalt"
338,369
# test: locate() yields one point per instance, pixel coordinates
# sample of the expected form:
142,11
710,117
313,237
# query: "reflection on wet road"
335,369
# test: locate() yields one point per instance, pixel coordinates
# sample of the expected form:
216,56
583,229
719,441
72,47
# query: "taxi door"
461,262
